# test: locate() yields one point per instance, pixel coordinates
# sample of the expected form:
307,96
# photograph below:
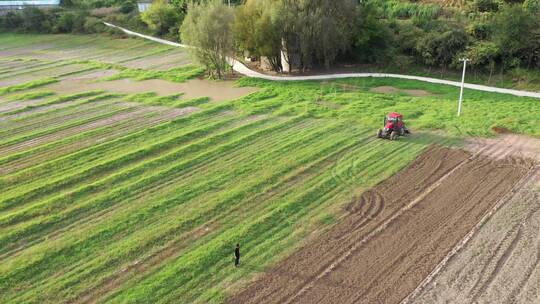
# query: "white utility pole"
462,84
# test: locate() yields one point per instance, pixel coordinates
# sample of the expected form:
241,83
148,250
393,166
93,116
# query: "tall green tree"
316,30
516,32
208,28
161,17
256,30
441,47
373,40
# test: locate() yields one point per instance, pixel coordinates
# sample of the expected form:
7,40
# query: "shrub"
128,6
32,19
12,20
94,25
161,17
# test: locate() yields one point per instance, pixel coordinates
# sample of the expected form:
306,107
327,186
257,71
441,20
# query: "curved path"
244,70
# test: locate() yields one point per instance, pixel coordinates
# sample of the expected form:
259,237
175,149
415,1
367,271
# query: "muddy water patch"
194,88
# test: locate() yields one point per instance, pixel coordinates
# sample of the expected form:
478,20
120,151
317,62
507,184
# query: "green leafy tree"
161,17
482,54
208,28
256,31
128,6
33,19
373,38
516,32
442,47
316,30
532,6
12,20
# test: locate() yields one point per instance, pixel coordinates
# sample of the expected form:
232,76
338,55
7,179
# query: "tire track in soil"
515,293
472,232
301,267
351,266
504,252
371,235
511,269
475,273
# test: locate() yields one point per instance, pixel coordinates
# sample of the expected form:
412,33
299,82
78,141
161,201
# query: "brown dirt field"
506,145
394,234
393,90
501,262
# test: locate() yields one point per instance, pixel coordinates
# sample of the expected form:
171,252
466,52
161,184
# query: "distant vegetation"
500,37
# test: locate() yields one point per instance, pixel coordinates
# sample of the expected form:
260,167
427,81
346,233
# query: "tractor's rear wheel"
394,135
379,133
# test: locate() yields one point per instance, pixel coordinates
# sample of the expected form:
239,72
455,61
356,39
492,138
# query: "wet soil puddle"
215,90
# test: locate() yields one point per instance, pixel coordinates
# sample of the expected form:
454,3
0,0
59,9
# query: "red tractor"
393,127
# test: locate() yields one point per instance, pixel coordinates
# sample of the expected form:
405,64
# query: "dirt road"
394,235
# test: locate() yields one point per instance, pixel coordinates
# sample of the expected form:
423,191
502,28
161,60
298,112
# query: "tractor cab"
393,126
393,121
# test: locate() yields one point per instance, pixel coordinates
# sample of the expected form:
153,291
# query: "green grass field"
124,198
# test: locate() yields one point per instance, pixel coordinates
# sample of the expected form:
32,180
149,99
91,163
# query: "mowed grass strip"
27,85
57,204
56,100
99,153
53,115
43,137
49,126
80,141
276,154
30,95
85,173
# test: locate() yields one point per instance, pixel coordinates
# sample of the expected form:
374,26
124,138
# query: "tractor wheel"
379,133
394,135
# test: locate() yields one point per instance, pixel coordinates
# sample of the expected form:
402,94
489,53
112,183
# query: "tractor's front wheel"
394,135
379,134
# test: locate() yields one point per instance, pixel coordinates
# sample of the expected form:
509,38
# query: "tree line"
497,35
307,34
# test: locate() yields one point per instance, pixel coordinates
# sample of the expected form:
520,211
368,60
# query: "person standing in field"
237,255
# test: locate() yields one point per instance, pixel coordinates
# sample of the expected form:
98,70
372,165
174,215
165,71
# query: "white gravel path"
244,70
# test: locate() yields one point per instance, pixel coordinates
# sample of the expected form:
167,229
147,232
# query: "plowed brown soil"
393,236
501,263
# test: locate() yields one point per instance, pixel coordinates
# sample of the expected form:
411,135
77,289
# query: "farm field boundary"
244,70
